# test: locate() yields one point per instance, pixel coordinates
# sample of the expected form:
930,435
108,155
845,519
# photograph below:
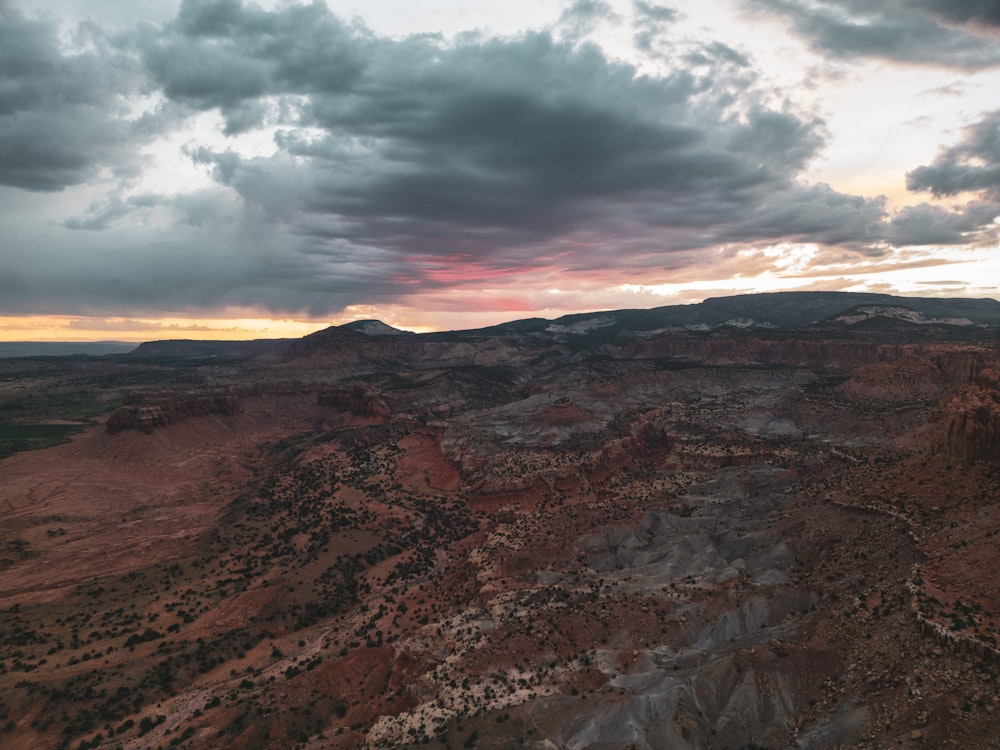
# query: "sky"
233,169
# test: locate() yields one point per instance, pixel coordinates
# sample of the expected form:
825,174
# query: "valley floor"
607,555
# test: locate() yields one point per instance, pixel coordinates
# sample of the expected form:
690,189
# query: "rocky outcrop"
333,341
648,440
374,328
188,349
916,372
145,414
357,400
942,362
970,421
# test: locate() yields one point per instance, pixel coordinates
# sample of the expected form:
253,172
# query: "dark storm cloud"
102,214
970,167
818,214
241,264
198,208
59,112
221,54
907,31
973,165
432,148
986,12
925,224
404,165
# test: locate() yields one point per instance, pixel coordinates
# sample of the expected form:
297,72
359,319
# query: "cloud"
196,208
401,168
103,213
142,326
583,17
905,31
985,12
61,110
926,224
652,24
973,165
817,214
220,54
486,144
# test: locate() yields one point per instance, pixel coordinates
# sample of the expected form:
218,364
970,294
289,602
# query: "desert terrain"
767,522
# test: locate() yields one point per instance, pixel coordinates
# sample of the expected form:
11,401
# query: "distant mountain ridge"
374,328
13,349
815,315
192,348
763,311
780,310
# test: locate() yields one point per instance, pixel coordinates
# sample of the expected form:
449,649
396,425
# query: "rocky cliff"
146,414
357,400
188,349
970,421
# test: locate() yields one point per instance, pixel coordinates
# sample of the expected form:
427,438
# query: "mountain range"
818,311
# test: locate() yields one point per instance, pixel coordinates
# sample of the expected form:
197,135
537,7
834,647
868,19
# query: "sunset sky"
228,169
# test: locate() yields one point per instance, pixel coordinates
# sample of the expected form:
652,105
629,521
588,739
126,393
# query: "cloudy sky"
231,169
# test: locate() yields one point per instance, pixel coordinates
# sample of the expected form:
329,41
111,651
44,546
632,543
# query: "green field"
25,437
31,408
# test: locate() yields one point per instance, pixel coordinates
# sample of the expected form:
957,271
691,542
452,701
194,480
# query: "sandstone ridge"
970,421
145,413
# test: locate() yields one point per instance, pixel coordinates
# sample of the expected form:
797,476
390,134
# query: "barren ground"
604,553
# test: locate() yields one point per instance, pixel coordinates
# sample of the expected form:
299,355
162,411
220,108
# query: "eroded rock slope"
520,538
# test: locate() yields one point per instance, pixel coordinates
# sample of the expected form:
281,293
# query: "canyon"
765,521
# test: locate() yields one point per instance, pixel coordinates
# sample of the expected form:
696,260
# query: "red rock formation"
147,416
357,400
333,340
970,421
948,362
564,412
648,440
